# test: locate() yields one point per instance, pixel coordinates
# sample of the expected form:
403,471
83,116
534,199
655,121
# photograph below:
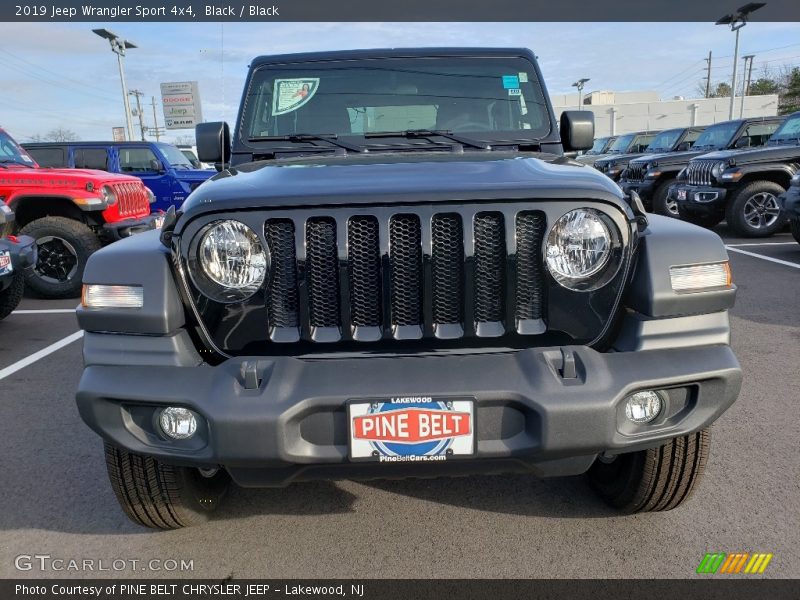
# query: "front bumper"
701,199
122,229
293,424
23,257
644,188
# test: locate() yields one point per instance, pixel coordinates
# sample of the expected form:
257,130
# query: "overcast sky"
62,75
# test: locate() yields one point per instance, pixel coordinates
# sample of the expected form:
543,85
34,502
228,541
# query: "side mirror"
213,142
577,130
684,146
742,142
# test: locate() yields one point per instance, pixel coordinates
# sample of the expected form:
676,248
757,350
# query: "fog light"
178,423
112,296
643,407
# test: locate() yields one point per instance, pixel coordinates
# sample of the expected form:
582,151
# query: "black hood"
400,178
671,158
618,158
772,153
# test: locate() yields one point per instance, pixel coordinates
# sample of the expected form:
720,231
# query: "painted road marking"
764,244
44,311
29,360
762,257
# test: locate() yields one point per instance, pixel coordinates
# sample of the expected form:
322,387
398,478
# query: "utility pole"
708,75
156,129
746,74
142,127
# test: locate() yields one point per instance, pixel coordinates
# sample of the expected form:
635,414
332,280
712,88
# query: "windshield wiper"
429,133
297,138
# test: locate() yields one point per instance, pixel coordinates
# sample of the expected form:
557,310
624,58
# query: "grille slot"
530,271
405,242
322,273
447,260
364,264
699,172
282,295
490,256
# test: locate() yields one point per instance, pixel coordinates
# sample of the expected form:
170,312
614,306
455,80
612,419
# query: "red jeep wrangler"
70,213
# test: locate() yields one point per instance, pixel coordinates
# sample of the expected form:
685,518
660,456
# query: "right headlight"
228,262
108,195
580,250
717,169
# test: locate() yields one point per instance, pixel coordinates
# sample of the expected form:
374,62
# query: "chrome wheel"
672,207
761,210
58,259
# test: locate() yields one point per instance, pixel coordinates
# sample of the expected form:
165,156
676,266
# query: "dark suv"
400,275
669,140
629,143
742,187
652,175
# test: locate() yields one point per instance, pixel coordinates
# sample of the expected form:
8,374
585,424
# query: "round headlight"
230,262
717,169
579,246
796,179
108,195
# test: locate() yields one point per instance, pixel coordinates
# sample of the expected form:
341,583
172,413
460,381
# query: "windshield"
12,153
599,146
486,98
665,140
175,157
621,143
789,131
717,137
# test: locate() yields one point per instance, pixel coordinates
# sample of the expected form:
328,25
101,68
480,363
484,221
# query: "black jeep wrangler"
629,143
17,255
652,175
669,140
791,206
399,275
742,187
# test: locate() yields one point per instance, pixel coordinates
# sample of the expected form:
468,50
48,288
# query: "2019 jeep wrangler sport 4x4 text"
401,276
70,213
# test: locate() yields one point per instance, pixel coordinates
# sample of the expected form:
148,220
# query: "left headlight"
717,169
108,195
579,249
228,262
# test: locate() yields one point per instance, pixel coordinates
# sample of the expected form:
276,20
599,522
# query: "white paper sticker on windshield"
291,94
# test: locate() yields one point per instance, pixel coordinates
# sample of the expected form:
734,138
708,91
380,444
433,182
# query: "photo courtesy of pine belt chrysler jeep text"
399,274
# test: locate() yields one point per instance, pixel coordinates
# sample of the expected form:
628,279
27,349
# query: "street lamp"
738,20
579,84
118,47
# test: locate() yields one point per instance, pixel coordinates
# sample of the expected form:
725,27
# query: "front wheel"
656,479
754,211
162,496
64,245
12,295
662,205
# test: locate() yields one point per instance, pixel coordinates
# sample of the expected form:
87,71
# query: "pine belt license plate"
5,262
411,429
681,194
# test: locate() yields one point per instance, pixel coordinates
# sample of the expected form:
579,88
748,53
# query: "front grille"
405,275
699,172
635,171
131,199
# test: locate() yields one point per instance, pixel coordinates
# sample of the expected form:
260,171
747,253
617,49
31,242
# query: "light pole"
738,20
118,47
746,73
579,84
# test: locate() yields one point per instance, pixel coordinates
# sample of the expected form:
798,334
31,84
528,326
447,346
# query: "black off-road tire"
12,295
660,203
161,496
652,480
735,209
794,225
78,235
702,219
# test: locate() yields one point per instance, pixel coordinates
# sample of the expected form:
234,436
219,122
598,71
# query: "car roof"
94,143
389,53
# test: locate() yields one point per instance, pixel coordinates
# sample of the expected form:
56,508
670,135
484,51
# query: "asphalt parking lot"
55,498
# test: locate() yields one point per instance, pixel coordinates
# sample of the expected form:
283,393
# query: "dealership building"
617,113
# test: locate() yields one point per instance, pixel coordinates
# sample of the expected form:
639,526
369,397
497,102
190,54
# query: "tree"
721,90
763,87
61,134
790,99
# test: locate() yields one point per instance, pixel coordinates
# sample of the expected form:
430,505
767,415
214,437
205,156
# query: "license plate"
159,222
5,262
681,194
411,429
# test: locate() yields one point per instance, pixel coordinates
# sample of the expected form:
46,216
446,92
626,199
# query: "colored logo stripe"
758,564
711,562
734,563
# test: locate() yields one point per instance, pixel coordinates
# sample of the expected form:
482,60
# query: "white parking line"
762,257
44,311
763,244
29,360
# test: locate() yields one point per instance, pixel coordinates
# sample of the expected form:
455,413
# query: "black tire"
67,240
746,199
702,219
661,205
161,496
652,480
12,295
794,225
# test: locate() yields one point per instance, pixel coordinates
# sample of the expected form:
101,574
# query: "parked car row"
735,170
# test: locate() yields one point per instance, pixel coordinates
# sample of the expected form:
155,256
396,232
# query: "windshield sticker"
523,78
514,92
291,94
510,81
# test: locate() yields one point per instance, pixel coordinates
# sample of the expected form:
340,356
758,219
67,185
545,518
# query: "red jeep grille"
131,199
